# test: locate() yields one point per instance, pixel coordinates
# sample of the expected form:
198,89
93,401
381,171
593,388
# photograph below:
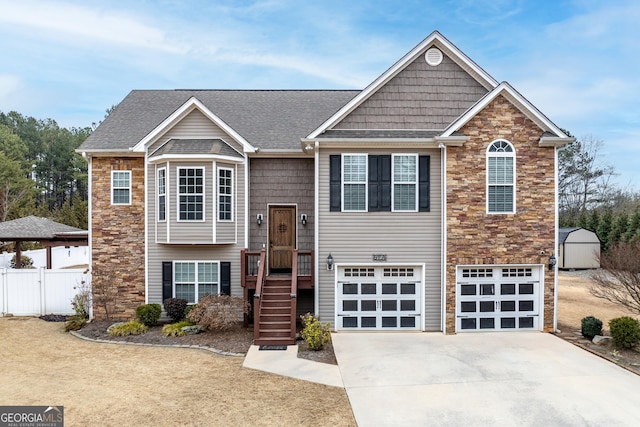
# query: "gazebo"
48,233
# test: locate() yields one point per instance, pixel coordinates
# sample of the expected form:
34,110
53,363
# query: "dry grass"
576,302
108,384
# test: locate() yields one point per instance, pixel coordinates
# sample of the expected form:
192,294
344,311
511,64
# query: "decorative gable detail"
187,108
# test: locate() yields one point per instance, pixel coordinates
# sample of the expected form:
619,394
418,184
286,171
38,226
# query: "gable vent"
433,56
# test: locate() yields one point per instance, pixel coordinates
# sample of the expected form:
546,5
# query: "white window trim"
366,182
113,187
415,183
178,194
219,194
195,262
512,155
162,169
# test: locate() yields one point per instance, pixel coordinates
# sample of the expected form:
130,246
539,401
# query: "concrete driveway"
482,379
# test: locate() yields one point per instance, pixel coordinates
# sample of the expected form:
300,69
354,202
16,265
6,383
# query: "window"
162,194
405,182
225,194
120,187
500,177
195,279
370,183
191,194
355,182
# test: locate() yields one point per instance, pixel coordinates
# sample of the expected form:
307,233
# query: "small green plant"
175,308
128,328
625,331
314,333
81,301
591,327
149,314
175,329
75,323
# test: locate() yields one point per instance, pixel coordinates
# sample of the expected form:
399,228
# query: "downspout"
90,234
555,241
146,228
443,239
316,244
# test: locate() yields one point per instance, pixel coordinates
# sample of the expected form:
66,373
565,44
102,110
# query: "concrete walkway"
482,379
287,363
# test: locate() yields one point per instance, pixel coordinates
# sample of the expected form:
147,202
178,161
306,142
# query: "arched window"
501,177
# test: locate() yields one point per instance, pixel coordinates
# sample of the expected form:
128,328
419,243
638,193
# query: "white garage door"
498,298
379,298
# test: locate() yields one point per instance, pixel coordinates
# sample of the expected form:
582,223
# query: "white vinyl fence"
35,292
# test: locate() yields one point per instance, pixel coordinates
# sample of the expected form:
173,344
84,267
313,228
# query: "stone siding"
117,233
475,237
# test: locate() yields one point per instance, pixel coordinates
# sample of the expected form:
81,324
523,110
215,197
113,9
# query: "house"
578,248
424,202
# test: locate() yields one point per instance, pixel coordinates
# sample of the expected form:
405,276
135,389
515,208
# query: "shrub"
218,312
187,309
149,314
175,329
314,333
75,323
128,328
25,262
591,327
175,308
625,331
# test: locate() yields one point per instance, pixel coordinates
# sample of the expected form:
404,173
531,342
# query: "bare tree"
584,179
618,280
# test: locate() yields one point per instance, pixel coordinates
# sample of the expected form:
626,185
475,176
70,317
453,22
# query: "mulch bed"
626,358
238,340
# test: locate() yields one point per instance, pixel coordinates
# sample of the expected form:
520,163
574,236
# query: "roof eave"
553,141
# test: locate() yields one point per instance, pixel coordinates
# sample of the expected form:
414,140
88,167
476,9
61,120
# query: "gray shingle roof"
267,119
196,146
36,228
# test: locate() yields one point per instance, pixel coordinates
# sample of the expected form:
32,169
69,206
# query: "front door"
282,238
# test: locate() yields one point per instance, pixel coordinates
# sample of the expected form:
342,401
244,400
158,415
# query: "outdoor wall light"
552,261
329,262
303,219
259,218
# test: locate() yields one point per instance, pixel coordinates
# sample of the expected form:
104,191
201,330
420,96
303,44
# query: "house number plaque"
379,257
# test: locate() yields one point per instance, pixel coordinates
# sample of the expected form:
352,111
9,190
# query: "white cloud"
83,24
9,87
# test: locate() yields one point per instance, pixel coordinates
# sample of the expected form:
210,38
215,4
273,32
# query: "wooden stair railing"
275,302
257,296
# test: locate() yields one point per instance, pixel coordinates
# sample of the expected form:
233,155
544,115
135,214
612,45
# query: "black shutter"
424,203
167,280
379,182
225,278
335,182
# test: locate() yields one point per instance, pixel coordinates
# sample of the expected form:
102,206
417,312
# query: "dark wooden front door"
282,238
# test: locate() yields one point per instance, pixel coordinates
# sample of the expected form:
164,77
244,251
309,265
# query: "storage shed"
578,248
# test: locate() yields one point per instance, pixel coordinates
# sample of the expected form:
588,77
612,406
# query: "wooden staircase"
276,312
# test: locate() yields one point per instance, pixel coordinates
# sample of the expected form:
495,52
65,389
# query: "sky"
578,61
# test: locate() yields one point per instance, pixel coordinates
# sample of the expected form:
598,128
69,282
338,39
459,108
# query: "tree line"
588,197
40,172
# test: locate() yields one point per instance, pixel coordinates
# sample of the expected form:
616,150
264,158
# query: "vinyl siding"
195,125
419,97
405,237
224,250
